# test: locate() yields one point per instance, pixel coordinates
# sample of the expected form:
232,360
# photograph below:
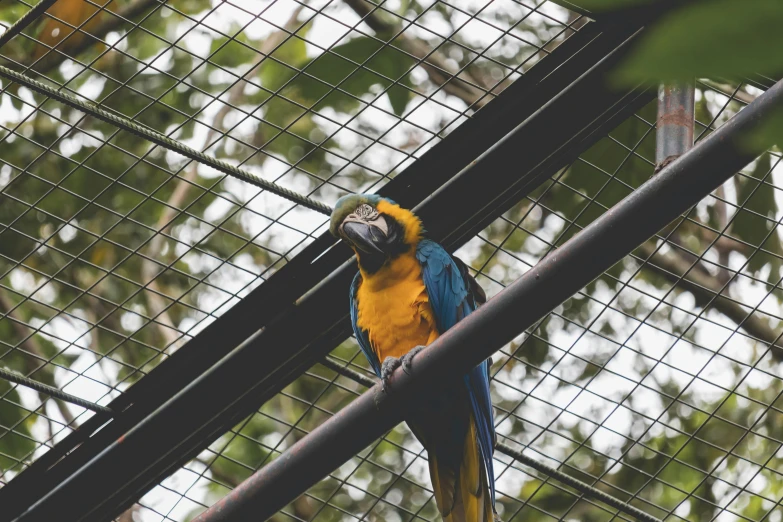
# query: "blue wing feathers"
450,301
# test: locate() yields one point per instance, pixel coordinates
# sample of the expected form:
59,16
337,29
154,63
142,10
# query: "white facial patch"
366,212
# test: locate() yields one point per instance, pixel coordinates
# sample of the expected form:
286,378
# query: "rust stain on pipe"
674,126
678,117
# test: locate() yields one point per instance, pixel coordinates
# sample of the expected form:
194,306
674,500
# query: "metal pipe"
554,279
674,126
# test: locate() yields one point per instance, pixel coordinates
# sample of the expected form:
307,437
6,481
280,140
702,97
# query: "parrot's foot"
408,358
387,369
665,163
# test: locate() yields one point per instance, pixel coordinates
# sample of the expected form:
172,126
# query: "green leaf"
399,96
230,52
357,66
273,73
711,38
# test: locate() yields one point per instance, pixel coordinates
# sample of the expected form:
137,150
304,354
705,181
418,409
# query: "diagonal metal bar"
557,277
582,487
257,368
162,140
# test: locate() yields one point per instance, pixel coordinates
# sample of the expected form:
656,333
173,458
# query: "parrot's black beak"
364,236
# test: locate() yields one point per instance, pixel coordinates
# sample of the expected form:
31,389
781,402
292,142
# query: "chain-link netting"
658,383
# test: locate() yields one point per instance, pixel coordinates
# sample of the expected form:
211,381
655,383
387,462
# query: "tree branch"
31,344
434,63
149,269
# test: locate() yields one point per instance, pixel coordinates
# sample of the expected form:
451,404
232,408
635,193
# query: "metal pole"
674,127
553,280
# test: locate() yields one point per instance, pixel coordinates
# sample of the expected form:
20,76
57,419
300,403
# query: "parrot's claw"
408,358
665,163
387,369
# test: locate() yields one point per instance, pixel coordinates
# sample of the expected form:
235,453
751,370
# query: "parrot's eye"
365,212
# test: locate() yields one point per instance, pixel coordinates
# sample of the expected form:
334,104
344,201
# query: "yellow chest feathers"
394,308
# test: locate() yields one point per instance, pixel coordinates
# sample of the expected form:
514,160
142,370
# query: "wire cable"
18,378
28,18
162,140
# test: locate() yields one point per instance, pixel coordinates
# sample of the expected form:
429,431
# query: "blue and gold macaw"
408,291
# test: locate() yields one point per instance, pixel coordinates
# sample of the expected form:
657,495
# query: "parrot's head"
376,228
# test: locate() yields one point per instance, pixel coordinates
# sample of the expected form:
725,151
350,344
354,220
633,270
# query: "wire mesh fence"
266,114
658,383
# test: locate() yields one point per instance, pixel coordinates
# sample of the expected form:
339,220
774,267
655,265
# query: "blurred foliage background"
659,382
